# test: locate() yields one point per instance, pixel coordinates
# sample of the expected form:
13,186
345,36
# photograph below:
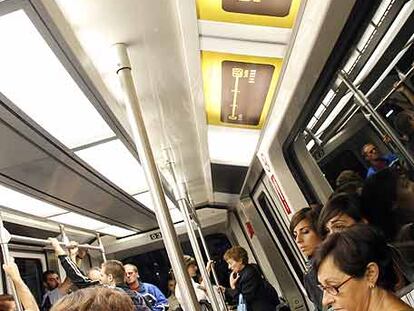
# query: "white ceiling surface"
163,64
243,39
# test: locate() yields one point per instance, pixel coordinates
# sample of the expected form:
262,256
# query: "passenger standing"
344,210
376,160
355,270
113,275
303,228
54,289
247,284
349,181
95,274
191,266
341,211
95,299
150,292
388,202
172,299
51,280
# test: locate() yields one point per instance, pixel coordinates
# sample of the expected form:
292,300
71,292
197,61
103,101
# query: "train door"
273,247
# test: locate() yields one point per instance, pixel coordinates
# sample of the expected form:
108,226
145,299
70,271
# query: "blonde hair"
237,253
95,299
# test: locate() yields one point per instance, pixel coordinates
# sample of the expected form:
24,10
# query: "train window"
154,266
369,100
275,226
345,160
31,272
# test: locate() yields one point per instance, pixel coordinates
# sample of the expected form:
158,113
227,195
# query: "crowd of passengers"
117,287
359,247
360,244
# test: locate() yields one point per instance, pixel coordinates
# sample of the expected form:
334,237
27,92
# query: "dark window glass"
276,226
345,160
31,272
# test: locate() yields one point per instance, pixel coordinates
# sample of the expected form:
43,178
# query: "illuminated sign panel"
260,7
244,90
238,89
273,13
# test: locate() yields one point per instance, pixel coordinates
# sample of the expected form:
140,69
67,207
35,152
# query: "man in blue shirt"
378,161
151,293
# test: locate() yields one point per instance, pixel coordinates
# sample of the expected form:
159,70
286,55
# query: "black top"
310,281
254,289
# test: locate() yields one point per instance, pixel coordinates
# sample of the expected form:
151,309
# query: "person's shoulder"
251,269
151,286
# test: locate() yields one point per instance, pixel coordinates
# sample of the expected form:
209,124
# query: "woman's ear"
371,274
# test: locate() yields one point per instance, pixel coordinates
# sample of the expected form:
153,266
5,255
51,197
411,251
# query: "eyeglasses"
334,290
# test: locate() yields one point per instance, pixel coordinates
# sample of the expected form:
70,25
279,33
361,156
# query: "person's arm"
73,272
407,93
161,303
23,292
233,291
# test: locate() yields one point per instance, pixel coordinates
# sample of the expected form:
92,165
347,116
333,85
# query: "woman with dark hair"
355,270
247,284
341,211
303,229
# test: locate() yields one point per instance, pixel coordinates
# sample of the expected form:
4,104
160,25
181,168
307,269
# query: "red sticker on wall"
250,229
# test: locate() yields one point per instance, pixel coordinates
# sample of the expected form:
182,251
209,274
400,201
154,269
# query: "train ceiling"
205,74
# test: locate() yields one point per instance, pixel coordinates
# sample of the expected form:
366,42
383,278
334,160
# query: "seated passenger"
150,292
303,229
113,275
24,294
355,270
247,285
341,211
95,274
377,161
191,266
94,299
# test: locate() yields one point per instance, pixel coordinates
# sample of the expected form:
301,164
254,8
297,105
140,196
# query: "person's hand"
401,87
12,270
56,246
234,277
73,250
386,139
209,266
222,288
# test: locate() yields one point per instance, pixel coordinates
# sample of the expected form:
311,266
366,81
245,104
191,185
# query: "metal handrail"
24,239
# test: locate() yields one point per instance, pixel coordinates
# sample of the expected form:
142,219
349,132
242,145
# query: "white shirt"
200,293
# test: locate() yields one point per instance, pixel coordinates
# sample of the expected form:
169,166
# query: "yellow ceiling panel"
238,89
274,13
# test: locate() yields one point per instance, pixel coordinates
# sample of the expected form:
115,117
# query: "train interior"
250,102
